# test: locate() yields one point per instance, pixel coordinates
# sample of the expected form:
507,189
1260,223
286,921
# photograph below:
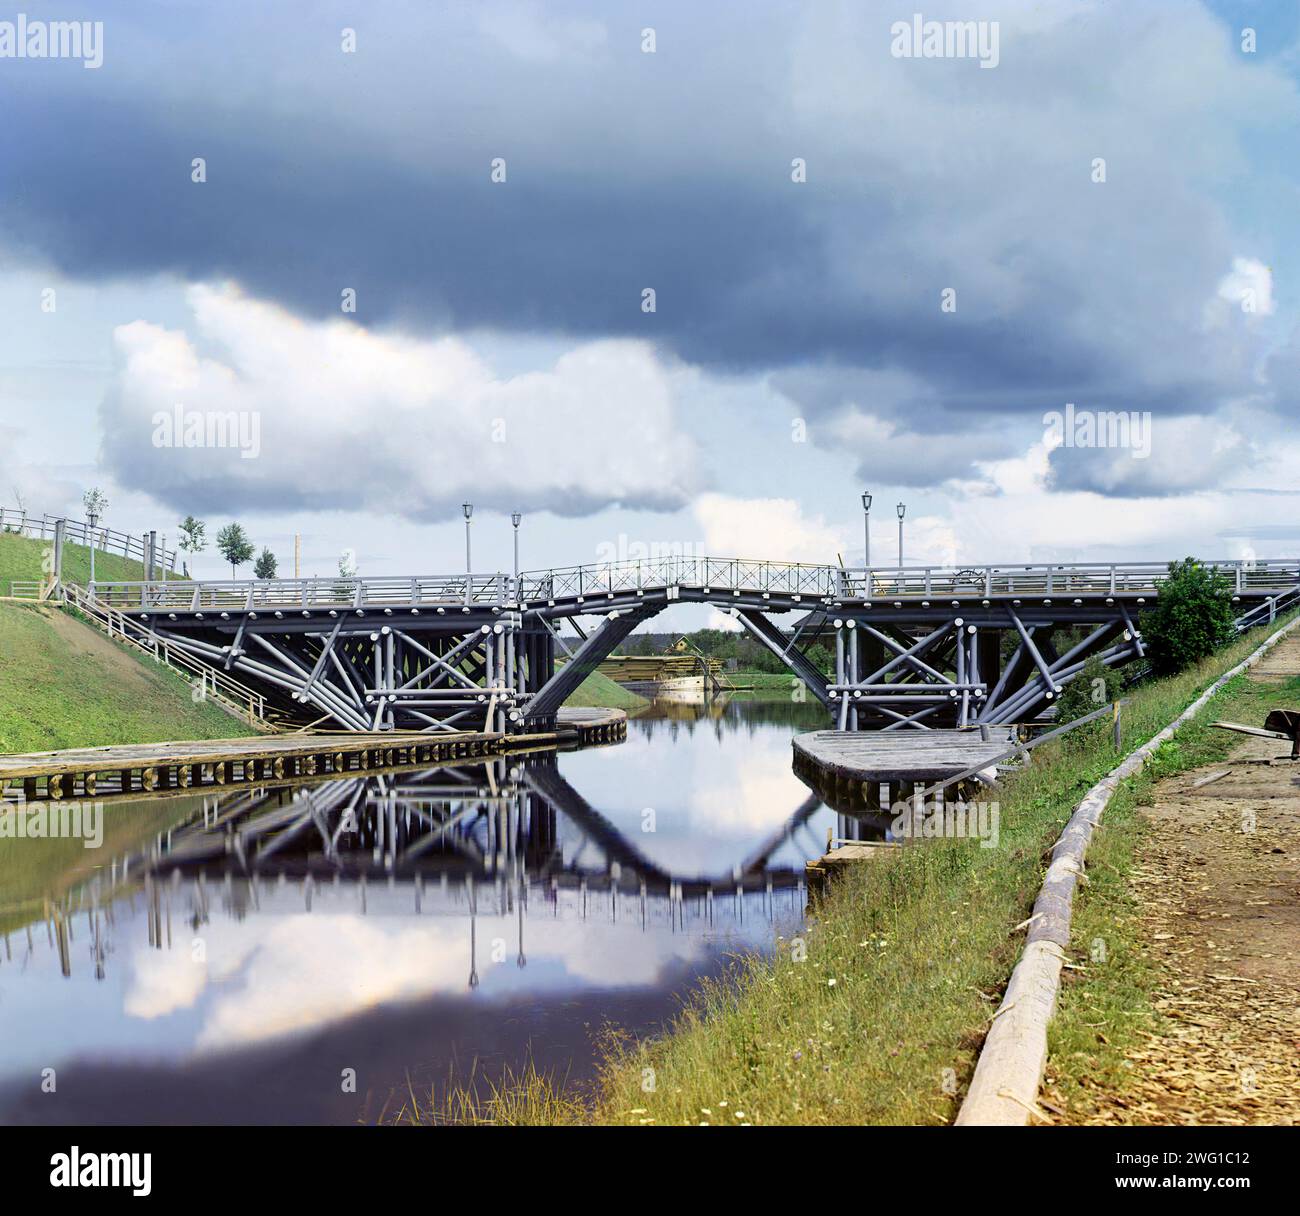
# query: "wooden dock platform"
819,873
866,771
128,769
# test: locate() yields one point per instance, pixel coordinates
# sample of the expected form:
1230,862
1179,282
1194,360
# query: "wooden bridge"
915,646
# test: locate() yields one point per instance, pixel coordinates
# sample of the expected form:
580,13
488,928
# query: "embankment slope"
63,684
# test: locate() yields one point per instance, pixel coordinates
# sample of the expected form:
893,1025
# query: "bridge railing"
252,595
707,574
106,540
1091,579
212,681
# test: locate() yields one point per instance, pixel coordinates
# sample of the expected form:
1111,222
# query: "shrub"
1192,618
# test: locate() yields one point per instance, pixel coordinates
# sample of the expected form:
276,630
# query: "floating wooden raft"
848,769
149,767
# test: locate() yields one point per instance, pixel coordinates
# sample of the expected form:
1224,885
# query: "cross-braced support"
967,666
915,647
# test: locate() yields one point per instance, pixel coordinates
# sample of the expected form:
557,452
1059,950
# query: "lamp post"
516,518
866,528
902,510
92,518
468,508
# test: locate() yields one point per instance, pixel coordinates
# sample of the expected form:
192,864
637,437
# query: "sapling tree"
265,566
233,544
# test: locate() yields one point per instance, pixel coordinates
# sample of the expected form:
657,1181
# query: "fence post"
59,532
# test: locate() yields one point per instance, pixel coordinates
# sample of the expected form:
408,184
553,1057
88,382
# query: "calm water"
242,958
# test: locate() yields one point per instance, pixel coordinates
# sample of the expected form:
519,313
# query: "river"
312,954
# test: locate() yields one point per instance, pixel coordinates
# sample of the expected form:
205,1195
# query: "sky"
659,274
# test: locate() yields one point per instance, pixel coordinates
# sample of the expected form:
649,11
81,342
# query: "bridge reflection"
503,838
486,820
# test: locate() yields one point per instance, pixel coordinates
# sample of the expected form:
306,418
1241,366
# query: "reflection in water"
405,925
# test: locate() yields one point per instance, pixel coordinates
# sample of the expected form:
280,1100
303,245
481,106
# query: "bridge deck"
184,764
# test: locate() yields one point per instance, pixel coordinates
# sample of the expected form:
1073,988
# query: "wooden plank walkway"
184,764
848,769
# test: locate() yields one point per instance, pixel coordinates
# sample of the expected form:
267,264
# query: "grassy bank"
63,684
876,1014
21,558
764,681
1106,1005
598,691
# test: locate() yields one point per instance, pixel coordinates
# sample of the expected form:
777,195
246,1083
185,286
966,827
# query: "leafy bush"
1192,618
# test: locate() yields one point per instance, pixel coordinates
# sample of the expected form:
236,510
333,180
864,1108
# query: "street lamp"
902,510
468,508
516,518
866,528
92,518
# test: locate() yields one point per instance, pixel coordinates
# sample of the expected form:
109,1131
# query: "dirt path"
1221,920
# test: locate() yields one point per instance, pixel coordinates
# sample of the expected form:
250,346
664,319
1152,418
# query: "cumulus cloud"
1018,511
772,528
338,416
921,177
1186,454
1248,286
888,451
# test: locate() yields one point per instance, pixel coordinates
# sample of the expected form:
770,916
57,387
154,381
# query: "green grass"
598,691
763,681
877,1012
21,558
63,684
523,1098
1106,1002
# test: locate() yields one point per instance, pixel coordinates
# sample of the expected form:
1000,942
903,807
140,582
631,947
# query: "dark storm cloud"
672,171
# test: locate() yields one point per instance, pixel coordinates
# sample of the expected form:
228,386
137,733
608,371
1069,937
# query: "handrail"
742,575
106,540
212,681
